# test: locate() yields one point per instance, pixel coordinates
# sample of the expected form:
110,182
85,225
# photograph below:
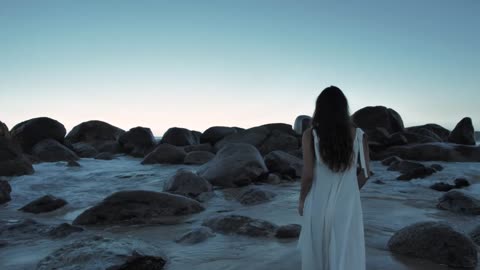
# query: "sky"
197,64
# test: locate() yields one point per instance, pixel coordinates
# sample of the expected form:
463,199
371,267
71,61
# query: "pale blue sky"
242,63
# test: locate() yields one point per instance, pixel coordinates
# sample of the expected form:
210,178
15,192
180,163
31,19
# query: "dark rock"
12,160
165,154
405,166
94,131
73,163
284,164
463,133
198,147
416,173
64,230
379,182
4,133
254,136
288,231
278,140
461,182
256,196
198,157
236,164
44,204
27,228
475,235
103,253
437,167
214,134
369,118
51,151
459,202
440,186
273,179
179,137
435,241
5,190
440,132
137,142
302,123
105,156
3,243
84,150
139,207
196,235
30,132
187,183
391,160
107,146
243,225
434,152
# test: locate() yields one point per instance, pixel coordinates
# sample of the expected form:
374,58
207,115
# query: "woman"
332,231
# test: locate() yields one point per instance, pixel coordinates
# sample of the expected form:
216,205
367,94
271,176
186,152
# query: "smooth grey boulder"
139,207
94,131
459,202
179,137
196,236
52,151
369,118
198,157
214,134
165,154
256,196
187,183
44,204
284,164
84,150
435,241
12,161
288,231
463,133
137,142
236,164
30,132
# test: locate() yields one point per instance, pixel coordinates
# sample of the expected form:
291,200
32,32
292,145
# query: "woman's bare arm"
308,160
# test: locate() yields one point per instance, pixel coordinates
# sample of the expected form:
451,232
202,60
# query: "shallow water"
386,209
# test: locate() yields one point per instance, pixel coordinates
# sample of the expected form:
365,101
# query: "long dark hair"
331,121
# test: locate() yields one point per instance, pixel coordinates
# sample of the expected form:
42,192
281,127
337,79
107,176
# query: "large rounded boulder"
463,133
101,135
369,118
165,154
179,137
198,157
137,141
84,150
12,160
430,132
459,202
51,151
302,122
44,204
139,207
214,134
236,164
437,242
187,183
30,132
284,164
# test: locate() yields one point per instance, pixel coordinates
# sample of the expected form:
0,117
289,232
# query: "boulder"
26,229
461,182
29,133
12,160
435,241
463,133
369,118
436,132
459,202
94,131
44,204
104,156
391,160
196,235
84,150
278,140
284,164
179,137
51,151
5,190
187,183
165,154
64,230
288,231
97,252
214,134
236,164
198,157
302,122
417,173
199,147
139,207
242,225
433,152
440,186
107,146
475,235
73,163
405,166
256,196
137,142
4,132
254,136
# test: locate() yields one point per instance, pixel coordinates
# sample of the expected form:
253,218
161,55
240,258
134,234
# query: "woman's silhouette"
332,236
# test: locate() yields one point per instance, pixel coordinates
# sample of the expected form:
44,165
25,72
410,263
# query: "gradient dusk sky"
201,63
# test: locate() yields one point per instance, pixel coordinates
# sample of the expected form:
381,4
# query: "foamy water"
386,207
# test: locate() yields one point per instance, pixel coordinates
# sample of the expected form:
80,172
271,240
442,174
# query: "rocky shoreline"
232,158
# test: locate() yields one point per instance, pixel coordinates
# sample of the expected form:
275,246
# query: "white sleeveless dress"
332,236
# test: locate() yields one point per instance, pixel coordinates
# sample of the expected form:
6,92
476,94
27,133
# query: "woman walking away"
332,236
